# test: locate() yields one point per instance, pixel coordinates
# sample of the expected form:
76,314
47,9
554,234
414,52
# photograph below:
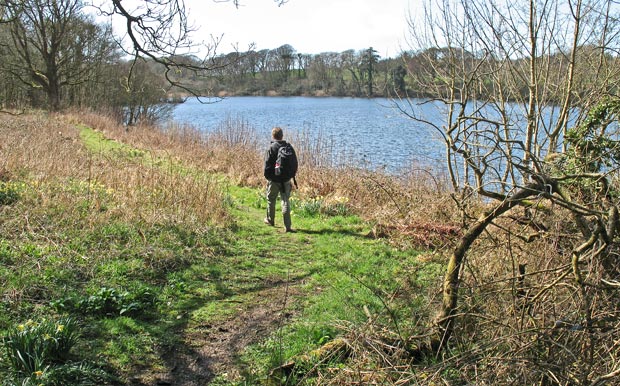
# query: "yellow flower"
38,373
21,327
60,328
341,199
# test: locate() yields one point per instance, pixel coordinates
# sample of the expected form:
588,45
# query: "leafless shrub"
524,320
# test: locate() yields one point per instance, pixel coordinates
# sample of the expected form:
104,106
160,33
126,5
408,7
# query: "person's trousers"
283,189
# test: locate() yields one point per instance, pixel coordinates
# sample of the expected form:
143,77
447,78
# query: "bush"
8,193
40,354
106,302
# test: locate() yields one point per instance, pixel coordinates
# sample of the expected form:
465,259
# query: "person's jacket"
270,162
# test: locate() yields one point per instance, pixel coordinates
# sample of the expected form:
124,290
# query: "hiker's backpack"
286,162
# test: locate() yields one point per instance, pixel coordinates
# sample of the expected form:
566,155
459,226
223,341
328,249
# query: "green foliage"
32,346
336,206
107,302
40,354
7,253
308,208
592,146
9,193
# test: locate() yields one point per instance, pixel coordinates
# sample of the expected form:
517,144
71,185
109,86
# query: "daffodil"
60,328
38,373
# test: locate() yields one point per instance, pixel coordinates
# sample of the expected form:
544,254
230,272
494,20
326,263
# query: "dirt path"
209,349
214,349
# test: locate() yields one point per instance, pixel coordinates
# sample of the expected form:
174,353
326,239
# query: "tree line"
285,71
53,54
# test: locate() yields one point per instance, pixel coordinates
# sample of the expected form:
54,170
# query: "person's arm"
269,169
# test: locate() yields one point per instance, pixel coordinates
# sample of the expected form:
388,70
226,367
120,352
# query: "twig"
605,377
614,284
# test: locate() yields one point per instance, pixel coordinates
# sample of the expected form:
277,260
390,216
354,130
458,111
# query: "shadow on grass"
331,231
208,348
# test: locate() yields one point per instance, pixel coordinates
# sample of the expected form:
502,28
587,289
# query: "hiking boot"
290,230
266,221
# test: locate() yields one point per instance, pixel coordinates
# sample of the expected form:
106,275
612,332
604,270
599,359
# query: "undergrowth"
153,242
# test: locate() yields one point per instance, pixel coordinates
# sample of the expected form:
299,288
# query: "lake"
371,132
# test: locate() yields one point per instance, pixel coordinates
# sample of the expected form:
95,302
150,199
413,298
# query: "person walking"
280,168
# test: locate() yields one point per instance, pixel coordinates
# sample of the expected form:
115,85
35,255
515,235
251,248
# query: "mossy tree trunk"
444,323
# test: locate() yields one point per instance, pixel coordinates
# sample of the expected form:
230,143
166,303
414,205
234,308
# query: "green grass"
141,289
344,275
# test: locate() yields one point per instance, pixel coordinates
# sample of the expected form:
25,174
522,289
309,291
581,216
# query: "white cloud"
310,26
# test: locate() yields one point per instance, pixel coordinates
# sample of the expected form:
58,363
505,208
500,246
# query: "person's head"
277,133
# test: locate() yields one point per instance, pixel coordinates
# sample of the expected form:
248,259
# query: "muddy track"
214,349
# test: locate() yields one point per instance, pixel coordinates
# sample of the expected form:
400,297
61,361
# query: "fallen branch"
337,348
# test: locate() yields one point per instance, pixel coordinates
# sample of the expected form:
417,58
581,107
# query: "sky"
309,26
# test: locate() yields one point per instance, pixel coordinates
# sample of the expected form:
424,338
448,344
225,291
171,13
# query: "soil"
213,350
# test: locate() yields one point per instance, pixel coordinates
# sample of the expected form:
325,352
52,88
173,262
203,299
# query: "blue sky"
310,26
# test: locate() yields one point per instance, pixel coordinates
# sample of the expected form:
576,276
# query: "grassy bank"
154,243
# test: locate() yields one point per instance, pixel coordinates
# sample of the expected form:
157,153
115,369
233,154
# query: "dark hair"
277,133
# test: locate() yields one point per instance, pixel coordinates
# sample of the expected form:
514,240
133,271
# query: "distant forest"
284,71
54,56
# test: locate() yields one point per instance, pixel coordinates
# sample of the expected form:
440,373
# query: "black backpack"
286,162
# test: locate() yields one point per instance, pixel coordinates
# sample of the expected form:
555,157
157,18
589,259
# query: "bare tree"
526,92
283,59
351,62
160,30
52,45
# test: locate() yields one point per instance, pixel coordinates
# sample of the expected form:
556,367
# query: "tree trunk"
445,319
53,96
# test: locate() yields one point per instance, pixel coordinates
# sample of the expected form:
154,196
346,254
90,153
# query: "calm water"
372,132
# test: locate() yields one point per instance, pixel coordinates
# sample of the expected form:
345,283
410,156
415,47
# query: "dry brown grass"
414,209
47,153
37,143
230,150
512,328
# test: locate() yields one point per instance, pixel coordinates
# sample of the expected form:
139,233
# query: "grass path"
264,296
